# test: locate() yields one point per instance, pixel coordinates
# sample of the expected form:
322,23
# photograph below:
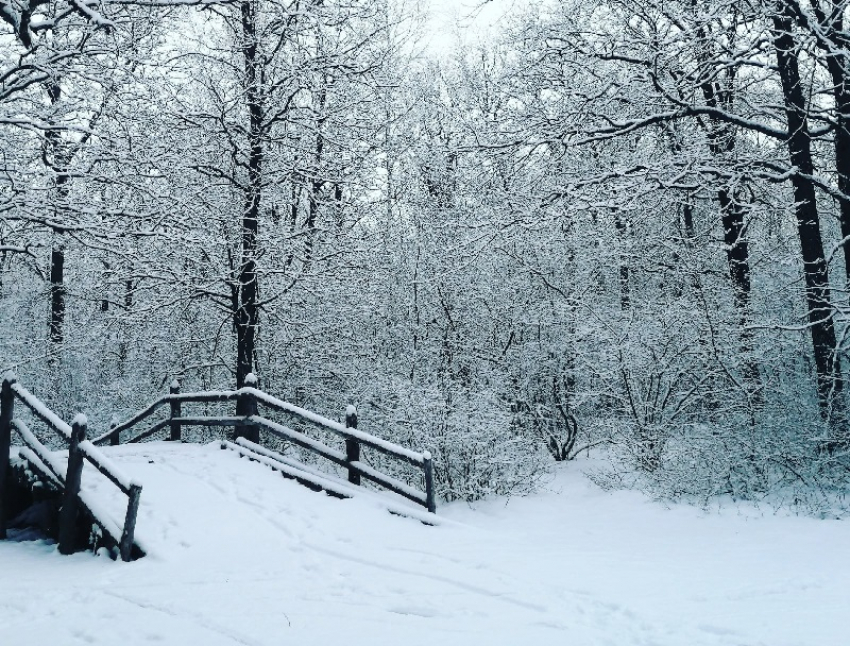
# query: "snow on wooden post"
176,430
430,497
71,501
352,446
246,406
125,547
7,409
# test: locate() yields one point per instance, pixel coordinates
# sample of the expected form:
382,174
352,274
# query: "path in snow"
238,555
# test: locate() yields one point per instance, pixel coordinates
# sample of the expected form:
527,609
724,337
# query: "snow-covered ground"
238,555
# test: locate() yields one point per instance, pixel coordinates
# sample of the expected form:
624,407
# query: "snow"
239,555
142,414
451,22
262,397
102,514
261,450
52,460
377,476
37,407
104,464
341,429
80,420
55,463
93,16
30,456
95,457
315,445
327,482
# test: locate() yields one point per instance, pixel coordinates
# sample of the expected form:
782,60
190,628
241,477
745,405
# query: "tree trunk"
317,183
59,161
246,316
722,139
842,166
625,281
818,301
732,214
123,328
831,38
57,296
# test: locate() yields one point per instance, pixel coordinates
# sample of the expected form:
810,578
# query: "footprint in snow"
415,612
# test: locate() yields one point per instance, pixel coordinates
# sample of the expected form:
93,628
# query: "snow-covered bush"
477,450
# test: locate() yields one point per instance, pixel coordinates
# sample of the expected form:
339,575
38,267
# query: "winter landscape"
378,321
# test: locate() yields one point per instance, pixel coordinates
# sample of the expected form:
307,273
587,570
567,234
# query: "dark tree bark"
317,183
719,92
123,345
818,300
625,279
246,310
831,37
58,157
842,152
57,294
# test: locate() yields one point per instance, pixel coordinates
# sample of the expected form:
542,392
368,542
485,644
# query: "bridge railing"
247,423
68,476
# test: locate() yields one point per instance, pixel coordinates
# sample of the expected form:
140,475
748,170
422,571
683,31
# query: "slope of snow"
238,555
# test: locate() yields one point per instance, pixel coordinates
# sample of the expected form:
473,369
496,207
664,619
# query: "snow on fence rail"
248,422
315,479
67,476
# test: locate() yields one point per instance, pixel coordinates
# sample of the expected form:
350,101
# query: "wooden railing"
247,423
67,476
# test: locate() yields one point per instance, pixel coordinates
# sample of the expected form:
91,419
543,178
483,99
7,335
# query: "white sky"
471,20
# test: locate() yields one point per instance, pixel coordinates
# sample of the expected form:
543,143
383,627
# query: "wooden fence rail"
68,476
248,422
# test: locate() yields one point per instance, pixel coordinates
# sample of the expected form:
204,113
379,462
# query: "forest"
619,227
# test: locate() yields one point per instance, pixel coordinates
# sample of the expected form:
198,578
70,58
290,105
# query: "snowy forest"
617,226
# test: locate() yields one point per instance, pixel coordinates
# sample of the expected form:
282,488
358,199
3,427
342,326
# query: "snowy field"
238,555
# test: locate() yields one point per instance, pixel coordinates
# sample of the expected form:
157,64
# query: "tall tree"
815,270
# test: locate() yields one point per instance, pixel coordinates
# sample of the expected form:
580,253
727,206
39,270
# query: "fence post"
246,405
430,497
7,409
114,438
125,547
176,430
70,502
352,446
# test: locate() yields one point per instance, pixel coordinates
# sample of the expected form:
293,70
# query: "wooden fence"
66,476
247,423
